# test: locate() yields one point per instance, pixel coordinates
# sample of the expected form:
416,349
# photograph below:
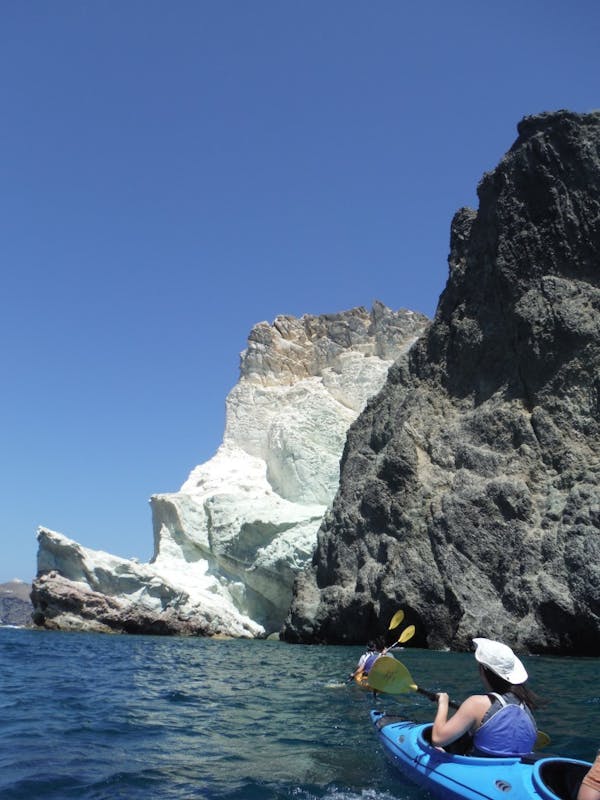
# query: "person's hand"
442,697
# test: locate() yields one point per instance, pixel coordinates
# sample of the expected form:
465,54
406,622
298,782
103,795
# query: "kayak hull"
458,777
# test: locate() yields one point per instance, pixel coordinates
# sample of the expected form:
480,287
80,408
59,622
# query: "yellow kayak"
362,681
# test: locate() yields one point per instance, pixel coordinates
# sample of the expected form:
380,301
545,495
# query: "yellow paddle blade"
541,740
390,676
396,619
407,634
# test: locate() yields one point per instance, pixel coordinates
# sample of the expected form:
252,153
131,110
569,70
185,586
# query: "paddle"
406,634
396,619
390,676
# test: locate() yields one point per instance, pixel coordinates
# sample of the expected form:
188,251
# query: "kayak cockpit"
560,776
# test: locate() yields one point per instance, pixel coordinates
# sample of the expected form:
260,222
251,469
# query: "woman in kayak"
500,722
366,661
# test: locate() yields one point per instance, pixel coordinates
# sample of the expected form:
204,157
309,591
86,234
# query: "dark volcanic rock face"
469,491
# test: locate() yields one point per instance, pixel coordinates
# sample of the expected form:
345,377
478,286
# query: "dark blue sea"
99,717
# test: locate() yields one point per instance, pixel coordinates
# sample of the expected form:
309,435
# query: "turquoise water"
104,717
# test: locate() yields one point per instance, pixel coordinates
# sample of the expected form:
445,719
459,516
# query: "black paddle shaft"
433,696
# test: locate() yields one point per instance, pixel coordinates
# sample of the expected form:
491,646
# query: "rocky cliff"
229,544
470,491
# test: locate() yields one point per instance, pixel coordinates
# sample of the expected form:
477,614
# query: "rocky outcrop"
15,606
229,544
470,486
80,589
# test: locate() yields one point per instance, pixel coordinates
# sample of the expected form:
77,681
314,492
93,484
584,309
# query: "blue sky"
174,172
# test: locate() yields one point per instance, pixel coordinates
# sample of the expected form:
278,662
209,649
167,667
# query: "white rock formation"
228,545
250,515
82,589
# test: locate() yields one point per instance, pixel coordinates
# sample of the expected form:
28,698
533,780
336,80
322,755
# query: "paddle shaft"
433,696
391,647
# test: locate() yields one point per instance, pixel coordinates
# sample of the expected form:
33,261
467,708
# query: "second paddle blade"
390,676
407,634
396,619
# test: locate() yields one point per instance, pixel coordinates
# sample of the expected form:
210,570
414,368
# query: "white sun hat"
501,660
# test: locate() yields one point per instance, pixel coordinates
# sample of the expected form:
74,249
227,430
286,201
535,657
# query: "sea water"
99,717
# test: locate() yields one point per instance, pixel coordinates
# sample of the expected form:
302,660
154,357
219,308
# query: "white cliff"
228,545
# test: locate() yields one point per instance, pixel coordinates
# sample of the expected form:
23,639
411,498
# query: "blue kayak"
459,777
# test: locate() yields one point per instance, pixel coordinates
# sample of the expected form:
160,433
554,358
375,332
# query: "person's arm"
590,789
447,730
588,793
359,667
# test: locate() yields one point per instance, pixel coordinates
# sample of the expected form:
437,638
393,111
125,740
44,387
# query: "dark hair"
520,690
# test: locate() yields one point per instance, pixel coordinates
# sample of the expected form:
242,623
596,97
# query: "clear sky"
174,172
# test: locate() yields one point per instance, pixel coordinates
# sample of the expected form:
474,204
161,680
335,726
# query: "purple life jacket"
508,729
369,662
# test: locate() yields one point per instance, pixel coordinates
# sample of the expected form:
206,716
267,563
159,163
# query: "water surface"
99,717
